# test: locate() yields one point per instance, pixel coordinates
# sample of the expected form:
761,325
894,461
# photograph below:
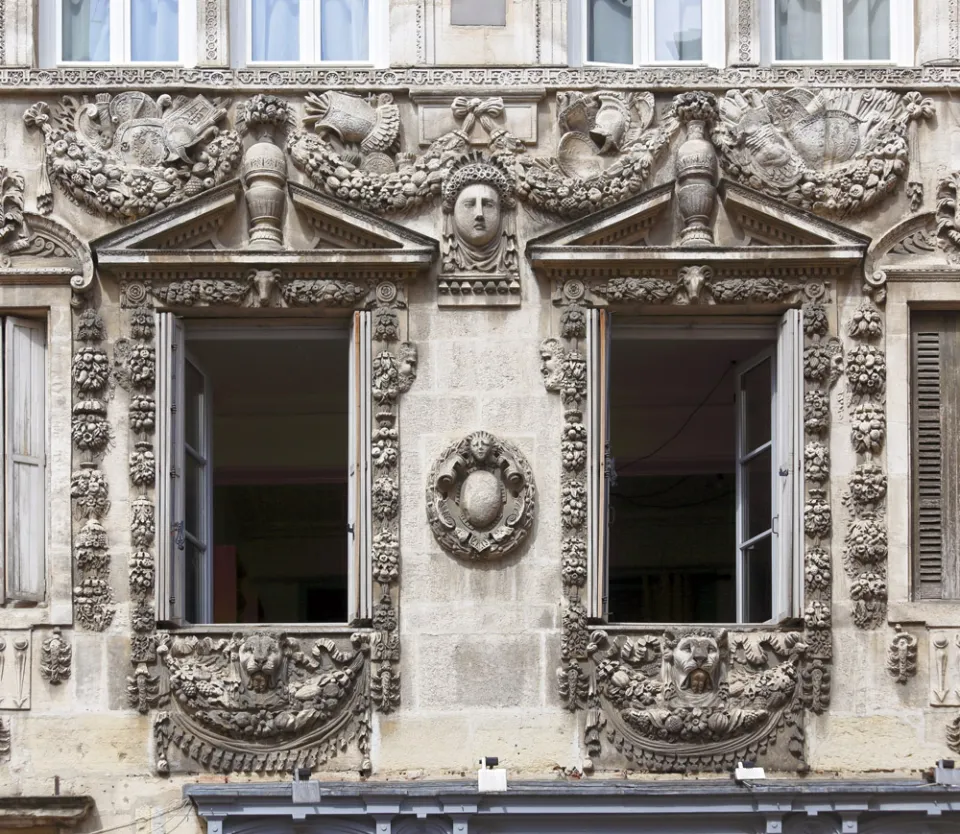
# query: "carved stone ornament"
833,151
948,216
55,657
696,284
15,669
902,656
696,169
697,698
481,497
480,257
262,702
128,155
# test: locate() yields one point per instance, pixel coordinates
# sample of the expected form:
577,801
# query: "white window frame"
120,45
901,36
377,37
713,31
24,409
786,347
171,356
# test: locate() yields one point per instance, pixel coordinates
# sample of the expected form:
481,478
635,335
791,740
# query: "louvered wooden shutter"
936,455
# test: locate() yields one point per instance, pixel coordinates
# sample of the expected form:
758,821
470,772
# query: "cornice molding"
29,81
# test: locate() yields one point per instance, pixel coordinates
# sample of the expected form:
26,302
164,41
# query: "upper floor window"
653,31
124,31
701,522
263,475
842,30
309,31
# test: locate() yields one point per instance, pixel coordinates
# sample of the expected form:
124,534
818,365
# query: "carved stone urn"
696,169
264,169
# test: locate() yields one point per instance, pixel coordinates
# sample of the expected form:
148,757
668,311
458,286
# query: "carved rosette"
833,151
865,554
128,155
263,702
481,497
93,601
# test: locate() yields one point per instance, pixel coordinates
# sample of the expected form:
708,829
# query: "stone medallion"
481,497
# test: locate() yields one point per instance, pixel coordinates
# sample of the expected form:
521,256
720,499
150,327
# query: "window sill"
944,613
643,628
228,629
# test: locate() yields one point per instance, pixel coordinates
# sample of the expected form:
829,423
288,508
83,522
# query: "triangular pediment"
777,223
643,235
626,224
209,233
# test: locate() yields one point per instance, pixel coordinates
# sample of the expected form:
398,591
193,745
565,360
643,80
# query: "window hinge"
351,529
784,471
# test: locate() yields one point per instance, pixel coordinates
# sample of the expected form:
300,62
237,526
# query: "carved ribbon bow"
468,110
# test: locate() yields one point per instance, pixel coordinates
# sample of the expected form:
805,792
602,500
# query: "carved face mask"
476,214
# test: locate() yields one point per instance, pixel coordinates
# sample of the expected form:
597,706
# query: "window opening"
832,30
648,31
307,31
263,456
693,504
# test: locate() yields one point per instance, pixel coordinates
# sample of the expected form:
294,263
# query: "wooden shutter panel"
25,505
598,472
936,455
360,574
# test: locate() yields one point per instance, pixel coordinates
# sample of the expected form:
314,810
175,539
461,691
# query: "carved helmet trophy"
480,264
481,497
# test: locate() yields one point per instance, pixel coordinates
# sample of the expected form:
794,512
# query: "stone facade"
214,191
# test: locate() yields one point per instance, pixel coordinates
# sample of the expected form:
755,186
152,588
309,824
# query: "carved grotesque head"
551,363
696,662
481,444
260,658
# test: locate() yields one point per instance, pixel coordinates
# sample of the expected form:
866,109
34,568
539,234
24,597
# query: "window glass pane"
610,31
866,30
192,564
758,510
193,407
344,30
678,30
758,581
85,30
799,30
755,391
154,30
192,495
275,30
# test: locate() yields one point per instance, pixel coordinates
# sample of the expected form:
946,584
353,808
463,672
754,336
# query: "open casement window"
279,528
935,461
701,423
24,458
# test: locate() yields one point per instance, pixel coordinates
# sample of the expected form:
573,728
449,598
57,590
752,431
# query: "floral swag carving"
263,703
129,155
695,698
481,498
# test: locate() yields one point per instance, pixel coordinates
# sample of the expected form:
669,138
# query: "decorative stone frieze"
263,702
15,665
128,155
865,552
902,655
481,497
56,655
93,601
260,288
835,152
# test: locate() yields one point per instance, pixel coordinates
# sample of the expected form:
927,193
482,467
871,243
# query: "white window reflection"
610,31
85,30
275,30
344,30
799,30
678,30
154,30
866,30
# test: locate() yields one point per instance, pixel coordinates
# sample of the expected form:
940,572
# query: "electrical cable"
683,425
183,803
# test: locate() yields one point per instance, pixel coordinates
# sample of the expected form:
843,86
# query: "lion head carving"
694,660
261,658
